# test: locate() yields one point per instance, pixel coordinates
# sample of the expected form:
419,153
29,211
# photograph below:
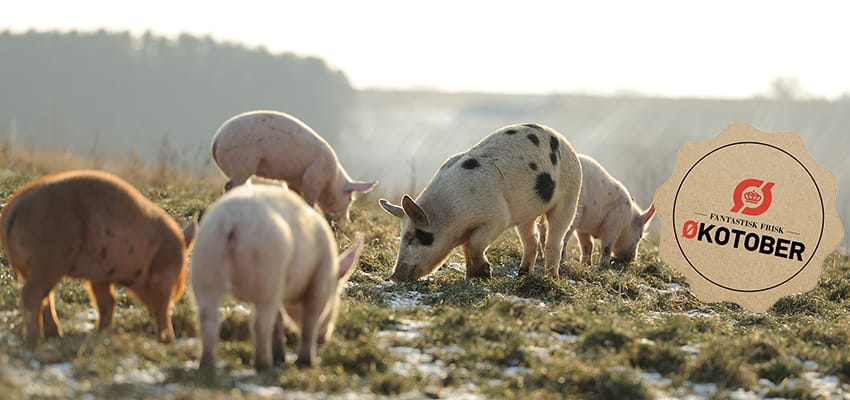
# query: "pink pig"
275,145
606,211
264,245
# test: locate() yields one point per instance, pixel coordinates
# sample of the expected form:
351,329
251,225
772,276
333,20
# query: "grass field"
624,332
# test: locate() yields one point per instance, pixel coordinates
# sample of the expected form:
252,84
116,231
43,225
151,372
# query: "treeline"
108,93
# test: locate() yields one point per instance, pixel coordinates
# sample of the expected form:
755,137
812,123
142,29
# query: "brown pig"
94,226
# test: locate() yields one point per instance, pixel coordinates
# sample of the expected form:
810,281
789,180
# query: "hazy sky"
673,48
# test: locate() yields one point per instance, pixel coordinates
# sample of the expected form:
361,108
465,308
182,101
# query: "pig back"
273,144
102,226
529,166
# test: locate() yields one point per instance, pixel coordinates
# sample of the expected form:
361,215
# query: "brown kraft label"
748,217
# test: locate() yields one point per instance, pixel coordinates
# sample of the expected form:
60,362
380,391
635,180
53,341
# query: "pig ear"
391,208
416,213
647,215
361,187
348,259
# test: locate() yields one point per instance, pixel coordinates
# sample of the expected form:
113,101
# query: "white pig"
275,145
607,212
266,246
511,177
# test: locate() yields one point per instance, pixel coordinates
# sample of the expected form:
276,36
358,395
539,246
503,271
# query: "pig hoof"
483,272
263,368
302,363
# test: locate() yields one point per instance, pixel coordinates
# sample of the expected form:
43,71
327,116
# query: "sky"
719,48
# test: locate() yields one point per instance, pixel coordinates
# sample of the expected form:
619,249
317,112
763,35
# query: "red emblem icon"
750,202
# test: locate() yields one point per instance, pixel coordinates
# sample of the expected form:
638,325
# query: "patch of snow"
689,314
742,394
766,383
458,267
88,315
522,300
415,360
691,350
827,387
810,365
238,309
9,314
446,350
261,391
565,338
704,389
514,371
128,372
671,288
537,351
571,282
654,379
150,376
409,299
405,330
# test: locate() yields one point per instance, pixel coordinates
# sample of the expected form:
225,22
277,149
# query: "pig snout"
404,273
625,257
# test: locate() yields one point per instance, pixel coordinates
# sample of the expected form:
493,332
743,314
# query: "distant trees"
124,92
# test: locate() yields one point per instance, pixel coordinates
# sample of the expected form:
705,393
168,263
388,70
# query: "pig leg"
609,235
541,232
479,240
586,244
50,321
209,318
313,304
33,300
265,318
559,220
158,300
567,236
103,298
313,182
279,339
527,237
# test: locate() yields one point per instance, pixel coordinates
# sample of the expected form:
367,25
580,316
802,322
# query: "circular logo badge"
748,217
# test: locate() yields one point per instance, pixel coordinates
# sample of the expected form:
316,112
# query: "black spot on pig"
533,166
535,126
533,138
125,283
553,147
510,131
110,272
109,232
131,250
103,252
138,273
545,187
426,238
470,164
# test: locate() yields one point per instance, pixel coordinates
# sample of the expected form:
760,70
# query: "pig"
276,145
93,226
508,179
263,244
606,212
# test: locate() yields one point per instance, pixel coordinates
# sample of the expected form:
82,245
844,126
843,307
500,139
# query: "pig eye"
426,238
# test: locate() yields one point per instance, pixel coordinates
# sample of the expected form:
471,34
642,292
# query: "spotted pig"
511,177
93,226
275,145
